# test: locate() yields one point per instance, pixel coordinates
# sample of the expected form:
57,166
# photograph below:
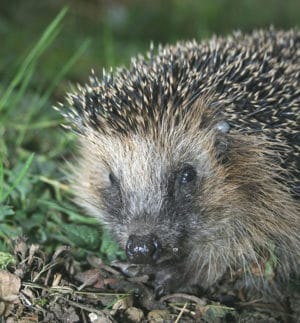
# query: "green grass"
35,199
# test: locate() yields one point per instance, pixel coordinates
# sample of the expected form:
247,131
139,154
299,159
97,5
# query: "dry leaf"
134,315
9,289
158,316
9,286
123,303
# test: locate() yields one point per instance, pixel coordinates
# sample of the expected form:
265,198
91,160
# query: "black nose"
143,249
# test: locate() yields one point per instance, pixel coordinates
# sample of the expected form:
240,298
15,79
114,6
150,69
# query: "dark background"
119,29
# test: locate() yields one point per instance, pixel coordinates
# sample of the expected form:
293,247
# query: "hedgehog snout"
143,249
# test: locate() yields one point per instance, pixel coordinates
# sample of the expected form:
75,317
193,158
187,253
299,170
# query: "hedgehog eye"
187,175
113,179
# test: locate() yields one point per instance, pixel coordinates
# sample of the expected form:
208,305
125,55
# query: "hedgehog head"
160,168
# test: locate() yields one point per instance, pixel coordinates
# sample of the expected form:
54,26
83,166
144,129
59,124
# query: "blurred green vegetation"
120,28
40,56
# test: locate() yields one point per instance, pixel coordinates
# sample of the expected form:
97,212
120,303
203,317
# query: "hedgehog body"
191,156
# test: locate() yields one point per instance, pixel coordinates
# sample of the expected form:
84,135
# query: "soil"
41,287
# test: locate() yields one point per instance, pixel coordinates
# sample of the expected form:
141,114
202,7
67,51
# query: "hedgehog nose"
143,249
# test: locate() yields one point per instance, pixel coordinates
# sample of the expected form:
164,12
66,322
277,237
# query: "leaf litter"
41,287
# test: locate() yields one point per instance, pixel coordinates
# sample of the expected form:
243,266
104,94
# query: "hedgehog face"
161,193
147,196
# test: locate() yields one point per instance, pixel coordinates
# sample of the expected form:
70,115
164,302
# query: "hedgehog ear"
222,141
222,148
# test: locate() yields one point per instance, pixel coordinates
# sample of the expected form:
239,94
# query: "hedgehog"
191,158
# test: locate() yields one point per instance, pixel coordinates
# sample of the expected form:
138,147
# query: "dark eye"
113,179
187,175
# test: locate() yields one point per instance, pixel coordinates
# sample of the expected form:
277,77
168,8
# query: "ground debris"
41,287
9,288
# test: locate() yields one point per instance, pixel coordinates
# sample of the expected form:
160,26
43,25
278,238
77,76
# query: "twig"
181,312
191,298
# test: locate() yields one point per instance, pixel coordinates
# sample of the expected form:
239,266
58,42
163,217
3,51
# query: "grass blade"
19,178
1,178
43,100
63,71
33,55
